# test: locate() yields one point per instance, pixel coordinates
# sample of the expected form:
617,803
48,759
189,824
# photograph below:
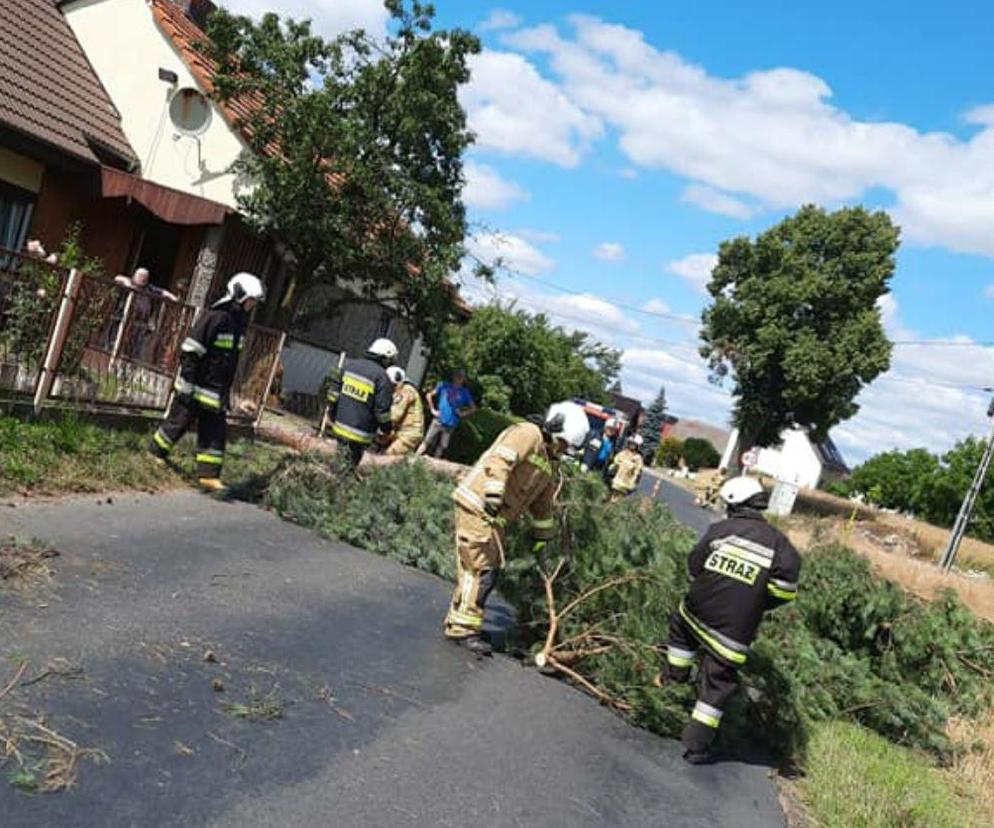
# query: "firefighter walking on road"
407,415
208,360
518,473
625,471
740,568
359,399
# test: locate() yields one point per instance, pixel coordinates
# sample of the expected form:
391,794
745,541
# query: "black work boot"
699,757
479,645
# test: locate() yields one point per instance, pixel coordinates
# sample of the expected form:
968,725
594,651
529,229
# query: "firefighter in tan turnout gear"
740,568
407,415
518,473
208,361
625,470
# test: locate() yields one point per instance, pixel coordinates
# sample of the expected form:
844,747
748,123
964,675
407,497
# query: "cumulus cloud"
715,201
487,190
513,109
500,19
330,17
512,251
609,252
771,136
656,306
695,269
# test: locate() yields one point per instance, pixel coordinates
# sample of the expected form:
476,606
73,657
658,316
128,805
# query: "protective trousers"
212,435
478,559
402,446
716,681
354,451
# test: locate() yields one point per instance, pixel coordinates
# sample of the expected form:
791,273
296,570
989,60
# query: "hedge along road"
383,722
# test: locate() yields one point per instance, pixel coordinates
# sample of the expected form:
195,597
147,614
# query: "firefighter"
407,414
625,471
208,359
359,399
518,473
740,568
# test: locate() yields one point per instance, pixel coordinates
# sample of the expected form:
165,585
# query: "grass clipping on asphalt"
25,564
36,758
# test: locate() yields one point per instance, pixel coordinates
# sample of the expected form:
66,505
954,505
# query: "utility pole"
970,501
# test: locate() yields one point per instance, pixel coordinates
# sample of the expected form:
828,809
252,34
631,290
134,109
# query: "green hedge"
475,435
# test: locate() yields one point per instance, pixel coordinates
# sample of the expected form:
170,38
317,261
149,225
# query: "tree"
795,320
653,422
700,454
901,480
670,452
356,162
522,358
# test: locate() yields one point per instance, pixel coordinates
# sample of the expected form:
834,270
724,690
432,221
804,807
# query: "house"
797,459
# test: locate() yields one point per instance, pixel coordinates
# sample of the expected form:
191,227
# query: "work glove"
183,389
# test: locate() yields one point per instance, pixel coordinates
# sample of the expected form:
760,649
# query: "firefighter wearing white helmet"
360,395
407,414
740,568
519,473
208,361
625,470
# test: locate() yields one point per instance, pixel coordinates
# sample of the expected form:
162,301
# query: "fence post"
269,381
57,340
120,330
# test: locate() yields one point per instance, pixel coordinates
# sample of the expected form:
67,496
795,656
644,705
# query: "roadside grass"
68,456
856,779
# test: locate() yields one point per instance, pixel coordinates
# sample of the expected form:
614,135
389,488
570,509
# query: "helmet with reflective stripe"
740,490
567,421
383,349
397,374
242,286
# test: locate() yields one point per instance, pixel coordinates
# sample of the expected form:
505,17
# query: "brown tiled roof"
48,90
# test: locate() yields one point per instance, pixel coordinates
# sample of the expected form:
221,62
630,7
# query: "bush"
670,452
700,454
475,434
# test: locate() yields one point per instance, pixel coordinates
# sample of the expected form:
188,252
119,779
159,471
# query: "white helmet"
397,374
611,423
639,440
240,287
383,348
738,490
567,421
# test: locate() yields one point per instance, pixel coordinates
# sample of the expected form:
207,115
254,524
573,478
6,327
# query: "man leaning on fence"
208,360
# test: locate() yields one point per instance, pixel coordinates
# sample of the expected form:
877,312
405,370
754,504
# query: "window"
15,215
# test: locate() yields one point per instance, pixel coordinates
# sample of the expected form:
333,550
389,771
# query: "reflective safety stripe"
332,396
357,387
226,342
211,459
784,590
474,622
706,714
718,643
468,498
546,523
678,657
354,435
162,441
507,453
204,396
757,549
191,346
493,487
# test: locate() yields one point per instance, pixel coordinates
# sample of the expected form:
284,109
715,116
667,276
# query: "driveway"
183,614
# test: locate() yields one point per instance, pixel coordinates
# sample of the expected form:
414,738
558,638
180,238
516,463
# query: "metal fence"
89,340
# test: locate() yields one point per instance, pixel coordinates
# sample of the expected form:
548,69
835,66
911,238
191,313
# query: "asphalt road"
680,501
384,723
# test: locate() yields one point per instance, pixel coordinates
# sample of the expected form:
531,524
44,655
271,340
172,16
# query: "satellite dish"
190,112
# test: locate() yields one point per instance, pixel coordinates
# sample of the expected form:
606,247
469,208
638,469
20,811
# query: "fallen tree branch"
14,680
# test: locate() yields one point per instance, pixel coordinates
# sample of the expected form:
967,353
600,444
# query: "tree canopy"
794,319
356,164
652,424
521,362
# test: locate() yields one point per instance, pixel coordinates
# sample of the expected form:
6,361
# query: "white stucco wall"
794,461
127,49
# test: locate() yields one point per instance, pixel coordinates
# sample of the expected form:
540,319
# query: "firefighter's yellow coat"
627,467
408,417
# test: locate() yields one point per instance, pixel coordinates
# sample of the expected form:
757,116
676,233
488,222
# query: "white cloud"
486,190
513,109
715,201
695,269
537,236
514,252
628,173
656,306
609,252
773,136
330,17
500,19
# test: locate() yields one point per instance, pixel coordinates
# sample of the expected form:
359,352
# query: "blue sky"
619,144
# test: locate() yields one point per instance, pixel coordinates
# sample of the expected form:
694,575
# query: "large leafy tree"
652,424
794,319
356,162
524,361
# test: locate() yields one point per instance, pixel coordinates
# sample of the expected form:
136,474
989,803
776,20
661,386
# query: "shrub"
700,454
670,452
475,434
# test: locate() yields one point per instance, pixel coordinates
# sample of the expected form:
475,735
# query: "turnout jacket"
407,414
626,471
360,395
741,567
519,474
209,355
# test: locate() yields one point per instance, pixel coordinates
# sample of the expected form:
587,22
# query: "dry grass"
24,565
974,769
37,758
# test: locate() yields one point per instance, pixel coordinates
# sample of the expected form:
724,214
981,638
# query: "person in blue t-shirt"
449,403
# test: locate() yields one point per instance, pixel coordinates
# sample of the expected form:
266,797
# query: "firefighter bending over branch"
208,360
359,399
407,415
518,473
625,471
740,568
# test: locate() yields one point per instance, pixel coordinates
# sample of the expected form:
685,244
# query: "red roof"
48,90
